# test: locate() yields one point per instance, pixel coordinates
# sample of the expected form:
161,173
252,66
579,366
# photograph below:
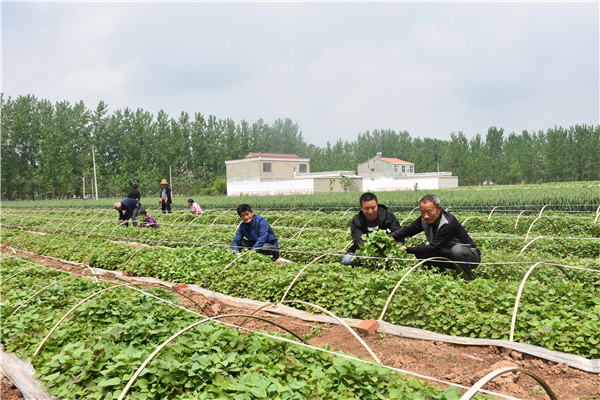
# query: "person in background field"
165,196
446,236
255,233
195,207
135,194
148,221
372,216
125,208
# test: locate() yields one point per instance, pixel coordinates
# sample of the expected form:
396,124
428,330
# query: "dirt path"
461,365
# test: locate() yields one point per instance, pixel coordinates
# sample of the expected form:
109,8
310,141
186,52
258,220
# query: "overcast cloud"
336,69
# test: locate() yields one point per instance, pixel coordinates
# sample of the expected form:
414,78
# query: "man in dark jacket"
446,236
372,216
125,208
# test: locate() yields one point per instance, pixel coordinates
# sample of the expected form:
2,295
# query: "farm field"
557,249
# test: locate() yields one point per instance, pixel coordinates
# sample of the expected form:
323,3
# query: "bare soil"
461,365
8,391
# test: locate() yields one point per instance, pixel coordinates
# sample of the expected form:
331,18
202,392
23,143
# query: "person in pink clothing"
195,207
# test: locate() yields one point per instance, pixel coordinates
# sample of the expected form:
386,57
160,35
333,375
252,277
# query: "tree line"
47,150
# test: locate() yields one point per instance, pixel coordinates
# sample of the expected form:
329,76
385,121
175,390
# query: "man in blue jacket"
446,236
125,209
255,233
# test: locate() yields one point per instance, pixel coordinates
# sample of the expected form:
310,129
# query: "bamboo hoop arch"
172,224
130,257
286,213
300,273
420,263
537,219
294,334
475,388
210,227
542,210
520,292
62,218
242,253
127,285
35,294
20,272
69,312
169,340
60,280
345,212
203,246
597,214
328,313
519,217
543,237
409,214
190,223
491,212
81,222
155,352
347,246
302,229
101,222
478,219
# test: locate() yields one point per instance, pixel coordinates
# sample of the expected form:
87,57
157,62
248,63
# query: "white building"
263,174
382,174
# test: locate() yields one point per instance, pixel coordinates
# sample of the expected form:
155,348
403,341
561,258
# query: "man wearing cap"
125,209
165,196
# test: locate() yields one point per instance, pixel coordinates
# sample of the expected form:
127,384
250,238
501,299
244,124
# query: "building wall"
408,183
334,185
247,170
281,169
252,169
291,186
376,168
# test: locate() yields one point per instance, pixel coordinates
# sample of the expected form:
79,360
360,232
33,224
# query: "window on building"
302,168
403,168
410,168
267,167
395,168
372,169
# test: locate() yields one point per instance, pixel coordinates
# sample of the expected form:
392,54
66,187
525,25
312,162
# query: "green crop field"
549,234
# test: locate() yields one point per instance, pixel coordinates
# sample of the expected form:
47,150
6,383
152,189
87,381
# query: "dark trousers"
467,258
165,206
136,212
267,248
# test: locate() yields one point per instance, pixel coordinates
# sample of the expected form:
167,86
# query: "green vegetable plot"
559,307
96,351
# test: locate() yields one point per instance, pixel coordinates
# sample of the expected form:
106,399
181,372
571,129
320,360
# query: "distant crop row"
567,196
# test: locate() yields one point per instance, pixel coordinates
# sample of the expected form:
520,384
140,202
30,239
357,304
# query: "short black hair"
243,208
135,187
190,200
142,211
367,197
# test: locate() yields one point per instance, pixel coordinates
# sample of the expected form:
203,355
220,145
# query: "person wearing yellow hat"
165,196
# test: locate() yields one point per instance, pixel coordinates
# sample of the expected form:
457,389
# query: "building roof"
393,160
272,155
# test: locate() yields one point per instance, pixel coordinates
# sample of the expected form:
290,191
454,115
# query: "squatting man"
446,236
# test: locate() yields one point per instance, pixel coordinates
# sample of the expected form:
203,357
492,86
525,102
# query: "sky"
337,69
